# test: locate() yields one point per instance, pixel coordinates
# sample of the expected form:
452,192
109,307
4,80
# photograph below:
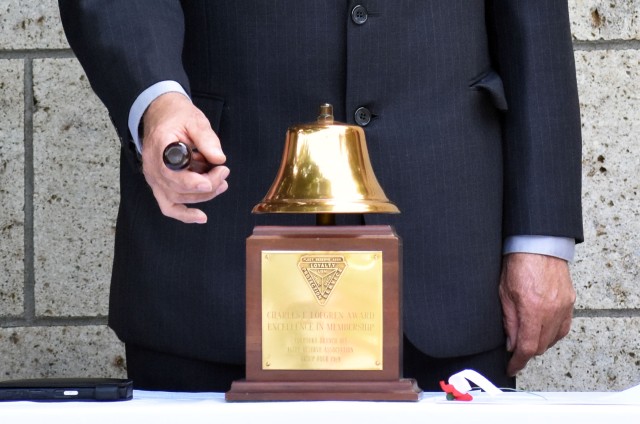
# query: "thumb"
206,141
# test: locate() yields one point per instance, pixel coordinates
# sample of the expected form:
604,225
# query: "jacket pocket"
211,105
491,83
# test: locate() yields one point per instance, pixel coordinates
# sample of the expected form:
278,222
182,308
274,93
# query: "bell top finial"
326,114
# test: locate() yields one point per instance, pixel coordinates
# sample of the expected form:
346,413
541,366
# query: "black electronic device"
66,389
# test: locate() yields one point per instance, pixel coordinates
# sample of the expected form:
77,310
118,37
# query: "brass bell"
325,169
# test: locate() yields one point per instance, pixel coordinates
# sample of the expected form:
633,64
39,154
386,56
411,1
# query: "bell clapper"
325,219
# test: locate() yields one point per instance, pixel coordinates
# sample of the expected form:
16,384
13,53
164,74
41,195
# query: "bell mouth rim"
311,207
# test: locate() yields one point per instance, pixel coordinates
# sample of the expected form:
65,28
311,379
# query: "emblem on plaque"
322,274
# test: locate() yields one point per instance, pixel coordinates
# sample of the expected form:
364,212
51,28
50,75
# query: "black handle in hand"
178,156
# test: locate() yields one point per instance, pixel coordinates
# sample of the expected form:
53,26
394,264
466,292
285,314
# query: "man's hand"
172,117
537,298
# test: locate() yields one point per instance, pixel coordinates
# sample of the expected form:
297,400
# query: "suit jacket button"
359,15
362,116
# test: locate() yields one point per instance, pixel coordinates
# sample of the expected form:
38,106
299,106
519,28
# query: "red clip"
453,394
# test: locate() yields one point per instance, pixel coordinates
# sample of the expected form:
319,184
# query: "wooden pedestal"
324,315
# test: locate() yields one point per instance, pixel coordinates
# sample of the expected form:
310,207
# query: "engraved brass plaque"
322,310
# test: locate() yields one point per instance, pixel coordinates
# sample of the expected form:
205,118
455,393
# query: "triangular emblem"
322,272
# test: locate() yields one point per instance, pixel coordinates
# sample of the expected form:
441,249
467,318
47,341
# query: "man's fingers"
187,215
222,188
190,189
534,340
180,211
527,345
518,361
532,337
564,329
510,321
213,154
191,183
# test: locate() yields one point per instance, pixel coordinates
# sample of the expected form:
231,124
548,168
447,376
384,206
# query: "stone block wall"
59,191
59,188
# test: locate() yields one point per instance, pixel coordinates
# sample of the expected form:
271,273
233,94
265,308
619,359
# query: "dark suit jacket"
438,77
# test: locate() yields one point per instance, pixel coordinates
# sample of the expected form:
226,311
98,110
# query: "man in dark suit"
471,116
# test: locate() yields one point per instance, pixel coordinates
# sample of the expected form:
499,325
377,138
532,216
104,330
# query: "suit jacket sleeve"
531,48
124,47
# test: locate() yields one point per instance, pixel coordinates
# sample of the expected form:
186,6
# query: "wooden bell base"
402,390
279,380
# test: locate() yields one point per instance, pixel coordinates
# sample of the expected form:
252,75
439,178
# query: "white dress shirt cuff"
560,247
142,103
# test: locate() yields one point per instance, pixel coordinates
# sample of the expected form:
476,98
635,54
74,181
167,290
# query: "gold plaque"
322,310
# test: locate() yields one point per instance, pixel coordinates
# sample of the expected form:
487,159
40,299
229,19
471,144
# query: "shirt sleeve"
143,101
559,247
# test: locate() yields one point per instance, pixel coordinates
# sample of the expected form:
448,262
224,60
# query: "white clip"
459,381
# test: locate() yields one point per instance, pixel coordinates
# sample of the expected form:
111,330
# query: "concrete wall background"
58,190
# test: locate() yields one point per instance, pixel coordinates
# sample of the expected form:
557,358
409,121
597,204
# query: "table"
188,408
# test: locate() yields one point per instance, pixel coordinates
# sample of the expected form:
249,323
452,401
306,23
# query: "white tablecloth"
183,408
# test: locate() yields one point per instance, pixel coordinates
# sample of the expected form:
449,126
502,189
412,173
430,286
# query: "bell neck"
326,114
